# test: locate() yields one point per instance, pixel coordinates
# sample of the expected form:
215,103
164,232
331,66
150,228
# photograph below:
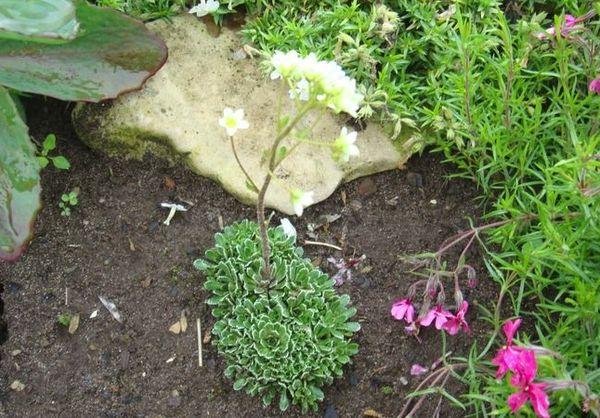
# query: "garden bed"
115,245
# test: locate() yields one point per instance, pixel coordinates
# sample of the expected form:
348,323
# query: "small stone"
415,180
17,386
356,205
403,381
174,401
210,364
15,353
239,55
48,297
13,287
124,359
361,281
330,412
367,187
353,378
433,202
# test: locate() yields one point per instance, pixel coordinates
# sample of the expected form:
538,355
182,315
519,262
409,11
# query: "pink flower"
526,369
403,309
508,356
570,25
457,321
418,370
594,86
439,314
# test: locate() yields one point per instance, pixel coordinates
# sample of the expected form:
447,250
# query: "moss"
120,141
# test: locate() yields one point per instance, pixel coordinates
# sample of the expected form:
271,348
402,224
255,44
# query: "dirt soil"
115,245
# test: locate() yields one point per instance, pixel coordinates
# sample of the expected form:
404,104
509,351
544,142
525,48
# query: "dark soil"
115,245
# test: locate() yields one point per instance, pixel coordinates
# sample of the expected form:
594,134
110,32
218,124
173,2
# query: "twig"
199,330
323,244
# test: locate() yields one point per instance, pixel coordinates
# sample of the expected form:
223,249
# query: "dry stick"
439,375
199,330
324,244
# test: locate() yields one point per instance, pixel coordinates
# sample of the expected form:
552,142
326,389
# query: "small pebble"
433,202
174,401
403,381
330,412
367,187
415,180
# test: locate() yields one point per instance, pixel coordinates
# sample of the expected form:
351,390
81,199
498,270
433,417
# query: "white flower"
300,200
284,64
288,228
301,91
343,146
233,120
205,7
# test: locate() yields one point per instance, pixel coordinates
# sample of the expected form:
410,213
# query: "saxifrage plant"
284,342
280,325
70,51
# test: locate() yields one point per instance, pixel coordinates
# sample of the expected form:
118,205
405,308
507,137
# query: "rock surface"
175,116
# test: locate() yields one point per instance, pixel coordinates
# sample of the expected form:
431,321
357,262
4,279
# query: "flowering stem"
237,159
260,204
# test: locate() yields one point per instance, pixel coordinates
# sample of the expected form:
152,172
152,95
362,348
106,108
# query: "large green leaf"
112,54
19,180
40,19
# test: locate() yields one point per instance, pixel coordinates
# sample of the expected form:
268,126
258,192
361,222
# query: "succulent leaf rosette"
284,342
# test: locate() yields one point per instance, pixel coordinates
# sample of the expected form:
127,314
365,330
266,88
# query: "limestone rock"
175,116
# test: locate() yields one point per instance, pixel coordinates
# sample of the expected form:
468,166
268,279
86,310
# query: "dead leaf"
169,183
74,324
175,328
131,246
207,337
372,413
112,308
146,282
183,322
15,353
17,386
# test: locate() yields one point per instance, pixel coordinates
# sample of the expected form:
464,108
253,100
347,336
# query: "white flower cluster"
323,81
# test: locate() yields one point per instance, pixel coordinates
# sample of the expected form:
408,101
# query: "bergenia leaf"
38,20
112,54
19,180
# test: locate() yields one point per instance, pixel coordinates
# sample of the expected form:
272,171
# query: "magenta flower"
526,369
457,321
403,309
507,357
594,86
439,314
418,370
570,25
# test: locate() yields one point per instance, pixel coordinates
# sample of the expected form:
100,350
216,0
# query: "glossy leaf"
19,180
27,19
112,54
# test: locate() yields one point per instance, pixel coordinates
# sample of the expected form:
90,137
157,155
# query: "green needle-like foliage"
282,340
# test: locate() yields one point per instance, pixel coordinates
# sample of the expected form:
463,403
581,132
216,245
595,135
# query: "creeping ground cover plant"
281,327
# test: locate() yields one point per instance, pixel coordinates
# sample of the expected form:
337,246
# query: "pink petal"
510,329
399,309
410,314
428,318
539,400
417,370
517,400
